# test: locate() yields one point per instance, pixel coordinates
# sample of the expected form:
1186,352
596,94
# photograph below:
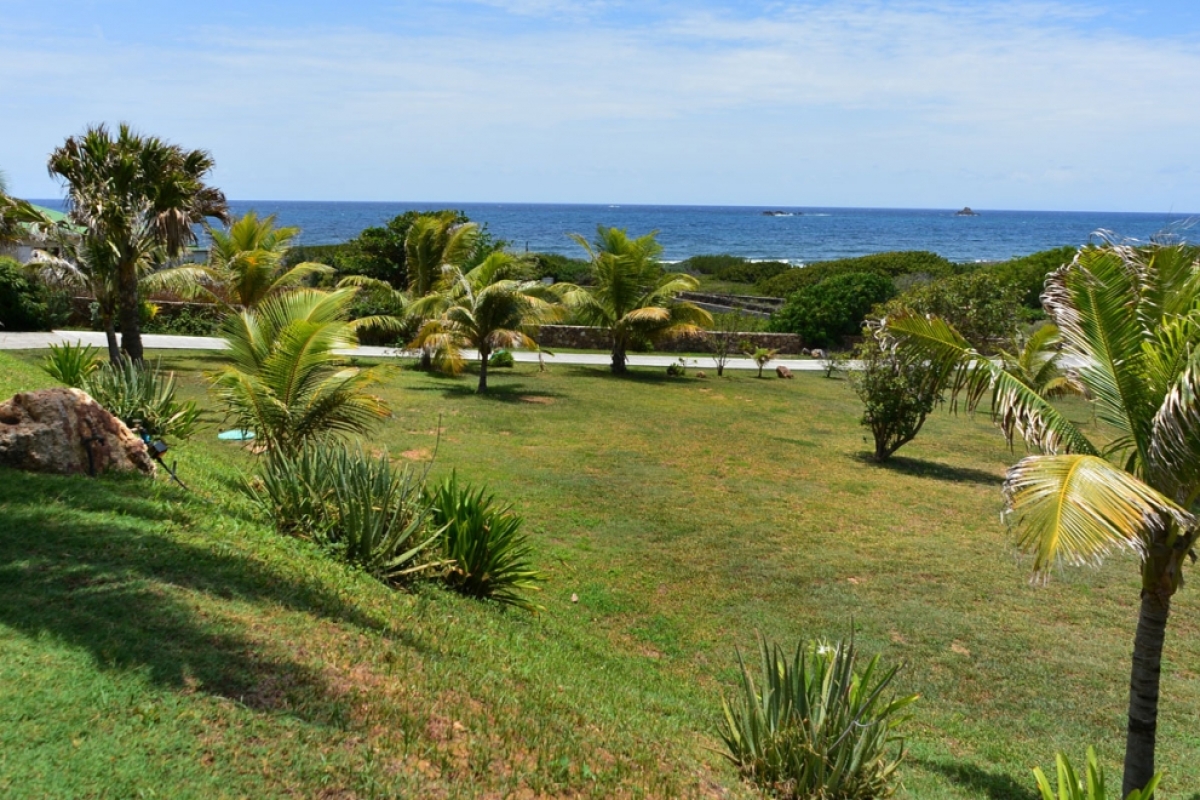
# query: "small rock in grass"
783,372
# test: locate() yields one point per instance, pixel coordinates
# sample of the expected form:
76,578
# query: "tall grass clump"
482,543
71,364
813,726
363,509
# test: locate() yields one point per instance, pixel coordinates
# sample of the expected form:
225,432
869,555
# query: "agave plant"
287,384
1091,787
1129,320
71,364
487,554
143,397
814,726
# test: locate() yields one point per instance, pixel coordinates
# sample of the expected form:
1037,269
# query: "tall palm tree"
246,262
1129,318
139,197
433,242
286,382
632,297
487,308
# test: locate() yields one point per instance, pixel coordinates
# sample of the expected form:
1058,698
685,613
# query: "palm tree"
487,308
286,383
1036,362
138,197
434,241
1129,319
632,297
246,262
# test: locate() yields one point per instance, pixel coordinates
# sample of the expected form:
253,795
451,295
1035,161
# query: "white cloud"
842,103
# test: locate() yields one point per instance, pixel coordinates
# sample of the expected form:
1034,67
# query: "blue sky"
1043,105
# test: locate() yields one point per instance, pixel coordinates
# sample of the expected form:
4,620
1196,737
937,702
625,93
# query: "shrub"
710,264
21,305
143,397
364,510
1070,787
188,320
752,271
71,364
1027,275
816,727
897,394
561,268
822,314
482,541
677,369
979,305
891,265
502,358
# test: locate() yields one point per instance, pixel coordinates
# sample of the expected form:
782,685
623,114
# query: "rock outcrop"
66,431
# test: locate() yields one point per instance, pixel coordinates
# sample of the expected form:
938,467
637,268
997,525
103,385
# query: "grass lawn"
155,643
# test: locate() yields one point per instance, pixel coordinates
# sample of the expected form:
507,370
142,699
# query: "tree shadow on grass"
634,375
983,784
84,562
921,468
496,393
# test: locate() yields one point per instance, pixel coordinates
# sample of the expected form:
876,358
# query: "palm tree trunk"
484,353
128,313
618,360
110,335
1143,691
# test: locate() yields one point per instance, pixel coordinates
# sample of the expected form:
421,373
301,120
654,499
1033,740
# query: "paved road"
154,341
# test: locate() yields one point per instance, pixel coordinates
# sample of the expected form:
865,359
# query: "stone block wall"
575,337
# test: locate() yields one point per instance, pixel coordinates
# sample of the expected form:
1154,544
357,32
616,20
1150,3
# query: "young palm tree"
246,262
487,308
286,383
139,197
631,296
1129,319
433,242
1037,364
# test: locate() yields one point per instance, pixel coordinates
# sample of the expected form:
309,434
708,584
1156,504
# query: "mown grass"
168,644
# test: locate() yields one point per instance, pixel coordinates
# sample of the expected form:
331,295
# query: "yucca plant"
486,552
814,726
362,508
1091,787
143,397
71,364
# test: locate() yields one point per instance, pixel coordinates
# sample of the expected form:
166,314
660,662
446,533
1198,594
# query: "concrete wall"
573,337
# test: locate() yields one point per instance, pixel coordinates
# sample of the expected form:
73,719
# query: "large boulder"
66,431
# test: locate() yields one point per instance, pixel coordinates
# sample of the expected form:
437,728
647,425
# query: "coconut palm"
631,296
1129,320
434,241
1036,362
246,262
138,197
487,308
286,383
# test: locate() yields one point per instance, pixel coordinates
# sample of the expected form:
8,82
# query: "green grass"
167,644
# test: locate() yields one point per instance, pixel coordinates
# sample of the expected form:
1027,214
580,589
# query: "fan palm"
433,242
632,297
138,197
1129,319
286,382
246,262
487,308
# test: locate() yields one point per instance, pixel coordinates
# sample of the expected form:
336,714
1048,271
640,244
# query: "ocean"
802,235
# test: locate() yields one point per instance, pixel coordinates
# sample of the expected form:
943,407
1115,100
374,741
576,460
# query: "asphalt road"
154,341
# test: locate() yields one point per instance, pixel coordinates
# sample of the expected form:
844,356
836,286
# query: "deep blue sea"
810,234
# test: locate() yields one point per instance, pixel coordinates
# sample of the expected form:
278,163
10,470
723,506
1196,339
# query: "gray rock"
66,431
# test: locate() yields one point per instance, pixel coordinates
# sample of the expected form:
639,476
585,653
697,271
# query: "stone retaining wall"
575,337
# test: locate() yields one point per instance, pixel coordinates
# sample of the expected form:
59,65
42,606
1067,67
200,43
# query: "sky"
995,105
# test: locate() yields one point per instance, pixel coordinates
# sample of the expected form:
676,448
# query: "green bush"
71,364
502,358
364,510
143,397
891,265
561,268
1027,275
709,265
897,395
488,555
21,305
1092,787
814,726
980,306
752,271
188,320
824,313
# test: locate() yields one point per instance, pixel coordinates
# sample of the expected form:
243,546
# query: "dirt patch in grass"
536,399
